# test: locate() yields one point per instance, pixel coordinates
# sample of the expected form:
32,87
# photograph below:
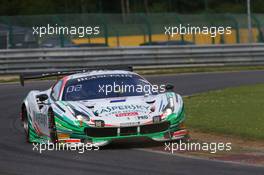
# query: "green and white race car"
94,107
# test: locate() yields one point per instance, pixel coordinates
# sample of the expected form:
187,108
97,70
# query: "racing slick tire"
52,127
25,122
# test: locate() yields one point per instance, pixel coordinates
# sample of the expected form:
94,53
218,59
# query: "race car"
85,107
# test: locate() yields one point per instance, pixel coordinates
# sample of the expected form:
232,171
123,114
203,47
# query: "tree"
127,7
123,8
146,6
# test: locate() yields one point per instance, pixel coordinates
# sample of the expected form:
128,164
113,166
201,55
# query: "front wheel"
52,127
25,123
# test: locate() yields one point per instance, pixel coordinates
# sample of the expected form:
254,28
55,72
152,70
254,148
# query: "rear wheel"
52,127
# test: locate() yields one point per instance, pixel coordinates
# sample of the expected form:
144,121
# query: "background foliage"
34,7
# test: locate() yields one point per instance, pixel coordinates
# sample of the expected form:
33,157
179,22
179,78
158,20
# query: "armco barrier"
15,61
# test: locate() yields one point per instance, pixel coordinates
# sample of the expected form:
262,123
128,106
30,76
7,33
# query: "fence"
128,30
15,61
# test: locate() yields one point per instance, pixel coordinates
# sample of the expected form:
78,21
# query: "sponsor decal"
116,101
109,109
143,117
103,76
126,114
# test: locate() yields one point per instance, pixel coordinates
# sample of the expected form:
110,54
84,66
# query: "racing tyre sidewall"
52,127
26,124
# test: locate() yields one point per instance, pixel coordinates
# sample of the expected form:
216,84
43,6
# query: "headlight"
169,108
168,111
82,119
171,103
80,115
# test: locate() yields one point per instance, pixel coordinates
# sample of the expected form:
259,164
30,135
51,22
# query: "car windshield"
106,86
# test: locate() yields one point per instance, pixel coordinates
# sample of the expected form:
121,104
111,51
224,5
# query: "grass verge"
159,71
235,111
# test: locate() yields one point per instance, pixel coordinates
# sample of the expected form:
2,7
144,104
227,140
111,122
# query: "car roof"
99,72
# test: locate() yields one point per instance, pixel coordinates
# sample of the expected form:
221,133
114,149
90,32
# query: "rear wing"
38,75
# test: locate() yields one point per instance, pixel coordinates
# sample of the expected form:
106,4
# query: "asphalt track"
17,157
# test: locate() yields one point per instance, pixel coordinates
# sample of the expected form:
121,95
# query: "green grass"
159,71
236,111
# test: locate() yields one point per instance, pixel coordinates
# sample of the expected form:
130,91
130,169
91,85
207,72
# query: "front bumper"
171,128
163,131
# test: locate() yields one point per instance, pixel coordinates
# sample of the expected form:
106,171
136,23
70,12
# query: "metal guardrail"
149,57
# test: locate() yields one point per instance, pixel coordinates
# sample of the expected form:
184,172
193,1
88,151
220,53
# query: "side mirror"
169,87
42,97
